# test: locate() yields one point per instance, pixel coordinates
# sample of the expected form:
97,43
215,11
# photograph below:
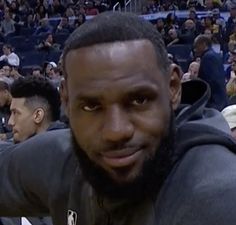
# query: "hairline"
165,72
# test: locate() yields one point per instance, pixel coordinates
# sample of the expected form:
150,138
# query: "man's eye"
91,107
141,100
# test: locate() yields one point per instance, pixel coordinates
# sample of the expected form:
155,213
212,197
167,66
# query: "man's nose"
117,126
10,121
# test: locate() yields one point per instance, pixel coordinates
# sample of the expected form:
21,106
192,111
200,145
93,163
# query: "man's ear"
64,97
175,85
39,115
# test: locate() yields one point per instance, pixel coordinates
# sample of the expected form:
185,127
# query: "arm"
36,174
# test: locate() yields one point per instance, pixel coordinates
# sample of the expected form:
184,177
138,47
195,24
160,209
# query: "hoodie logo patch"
71,217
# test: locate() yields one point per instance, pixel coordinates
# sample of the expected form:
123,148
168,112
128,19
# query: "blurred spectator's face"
22,120
36,73
193,69
209,4
208,33
7,15
64,21
6,70
173,34
208,21
6,51
13,5
50,38
160,23
48,68
4,98
189,24
192,15
199,48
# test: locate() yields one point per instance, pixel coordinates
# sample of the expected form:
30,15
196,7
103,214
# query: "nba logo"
71,217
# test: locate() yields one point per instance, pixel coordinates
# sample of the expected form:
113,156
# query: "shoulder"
203,186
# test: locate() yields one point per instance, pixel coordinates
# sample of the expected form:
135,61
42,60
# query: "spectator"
36,71
48,44
231,22
8,24
5,101
193,71
212,71
81,19
172,37
64,26
188,32
231,85
90,9
9,56
230,115
48,67
43,28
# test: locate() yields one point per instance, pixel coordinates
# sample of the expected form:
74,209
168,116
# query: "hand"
3,137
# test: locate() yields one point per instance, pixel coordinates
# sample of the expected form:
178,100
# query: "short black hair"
111,27
38,88
4,86
202,38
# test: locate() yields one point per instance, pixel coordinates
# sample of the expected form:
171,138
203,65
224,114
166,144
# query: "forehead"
106,66
138,54
18,103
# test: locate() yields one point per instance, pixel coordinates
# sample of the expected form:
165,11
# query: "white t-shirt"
12,59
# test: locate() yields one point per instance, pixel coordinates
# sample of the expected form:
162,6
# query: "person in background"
229,114
9,57
35,107
5,102
212,71
193,71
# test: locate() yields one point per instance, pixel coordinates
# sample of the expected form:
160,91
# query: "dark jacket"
41,176
212,71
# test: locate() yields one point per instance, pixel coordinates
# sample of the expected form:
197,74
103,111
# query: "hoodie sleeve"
36,174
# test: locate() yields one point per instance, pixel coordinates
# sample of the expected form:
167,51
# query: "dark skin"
119,104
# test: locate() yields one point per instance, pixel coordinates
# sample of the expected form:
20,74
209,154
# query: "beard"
147,183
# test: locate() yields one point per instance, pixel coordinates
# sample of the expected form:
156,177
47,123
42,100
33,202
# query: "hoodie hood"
197,125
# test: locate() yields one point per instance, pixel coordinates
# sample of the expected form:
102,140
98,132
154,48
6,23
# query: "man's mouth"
121,158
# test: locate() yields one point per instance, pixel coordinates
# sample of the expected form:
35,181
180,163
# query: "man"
35,107
9,57
5,102
212,71
139,162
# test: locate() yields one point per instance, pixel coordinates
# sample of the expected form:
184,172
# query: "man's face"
198,48
22,120
119,105
4,97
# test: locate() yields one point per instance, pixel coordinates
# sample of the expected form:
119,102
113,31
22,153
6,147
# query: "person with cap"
229,114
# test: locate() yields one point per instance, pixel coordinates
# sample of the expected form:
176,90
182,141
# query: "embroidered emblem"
71,217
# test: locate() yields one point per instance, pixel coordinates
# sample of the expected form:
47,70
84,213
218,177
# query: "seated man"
5,102
134,155
35,108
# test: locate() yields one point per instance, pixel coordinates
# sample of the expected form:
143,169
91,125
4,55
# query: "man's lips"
121,158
